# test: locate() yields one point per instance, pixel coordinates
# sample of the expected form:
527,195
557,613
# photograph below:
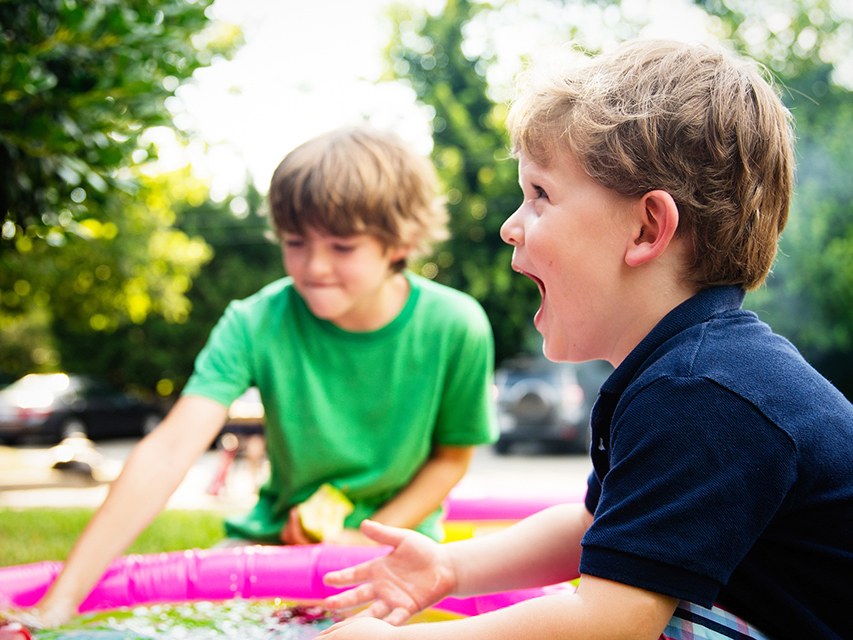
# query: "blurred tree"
807,45
158,353
86,239
472,157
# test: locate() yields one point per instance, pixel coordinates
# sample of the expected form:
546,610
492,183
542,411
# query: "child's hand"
14,631
51,611
17,624
292,531
414,576
360,629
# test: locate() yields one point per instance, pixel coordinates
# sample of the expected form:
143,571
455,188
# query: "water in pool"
230,620
233,620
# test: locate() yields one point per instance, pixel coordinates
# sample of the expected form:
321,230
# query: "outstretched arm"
542,549
153,471
600,610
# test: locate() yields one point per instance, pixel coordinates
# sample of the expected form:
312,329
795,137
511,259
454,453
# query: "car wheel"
73,427
150,422
502,446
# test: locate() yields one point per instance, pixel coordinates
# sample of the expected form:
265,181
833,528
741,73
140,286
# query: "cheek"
291,262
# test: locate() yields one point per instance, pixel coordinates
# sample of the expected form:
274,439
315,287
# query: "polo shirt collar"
696,310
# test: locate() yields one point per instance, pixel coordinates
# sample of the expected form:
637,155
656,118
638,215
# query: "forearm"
135,498
541,549
151,474
427,490
562,617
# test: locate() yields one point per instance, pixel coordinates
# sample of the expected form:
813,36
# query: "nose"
512,230
317,262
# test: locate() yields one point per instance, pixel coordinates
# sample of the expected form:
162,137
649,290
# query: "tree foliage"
472,156
159,353
809,298
804,44
86,238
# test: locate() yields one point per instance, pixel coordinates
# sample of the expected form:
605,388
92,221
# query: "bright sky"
308,67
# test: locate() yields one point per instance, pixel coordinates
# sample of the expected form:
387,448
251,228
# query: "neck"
647,308
389,301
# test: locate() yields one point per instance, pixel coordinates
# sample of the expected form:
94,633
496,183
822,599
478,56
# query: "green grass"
34,535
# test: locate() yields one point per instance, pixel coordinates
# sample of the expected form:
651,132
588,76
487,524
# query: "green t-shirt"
362,411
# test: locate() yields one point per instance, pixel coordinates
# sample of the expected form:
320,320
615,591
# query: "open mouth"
538,282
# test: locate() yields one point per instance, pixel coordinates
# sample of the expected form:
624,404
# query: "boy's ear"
398,253
655,222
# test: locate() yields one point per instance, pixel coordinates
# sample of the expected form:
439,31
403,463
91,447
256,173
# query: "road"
526,472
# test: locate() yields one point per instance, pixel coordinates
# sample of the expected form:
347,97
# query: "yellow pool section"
465,529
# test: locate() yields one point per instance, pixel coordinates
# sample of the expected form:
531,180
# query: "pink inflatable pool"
289,573
477,503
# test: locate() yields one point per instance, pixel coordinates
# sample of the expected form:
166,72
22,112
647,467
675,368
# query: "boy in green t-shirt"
374,380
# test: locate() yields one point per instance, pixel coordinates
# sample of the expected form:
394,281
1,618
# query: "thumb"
383,534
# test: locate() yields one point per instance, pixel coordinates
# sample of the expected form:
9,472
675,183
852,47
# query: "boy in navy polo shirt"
656,182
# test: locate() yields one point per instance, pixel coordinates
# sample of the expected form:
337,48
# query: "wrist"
449,564
56,610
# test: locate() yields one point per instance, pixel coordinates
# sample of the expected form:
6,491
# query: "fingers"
398,616
378,610
352,598
292,532
349,576
381,610
383,534
335,627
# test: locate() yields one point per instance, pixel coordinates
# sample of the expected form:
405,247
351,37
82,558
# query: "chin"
551,352
324,313
561,353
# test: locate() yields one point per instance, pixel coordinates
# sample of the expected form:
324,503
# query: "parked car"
54,406
546,402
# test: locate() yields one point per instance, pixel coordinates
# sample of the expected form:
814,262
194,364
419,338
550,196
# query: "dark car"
53,406
546,402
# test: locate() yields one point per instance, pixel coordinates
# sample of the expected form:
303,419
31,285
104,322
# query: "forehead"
560,167
320,234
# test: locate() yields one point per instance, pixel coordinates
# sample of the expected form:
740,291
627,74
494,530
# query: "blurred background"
138,137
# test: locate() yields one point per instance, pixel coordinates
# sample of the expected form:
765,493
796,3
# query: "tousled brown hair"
685,118
359,180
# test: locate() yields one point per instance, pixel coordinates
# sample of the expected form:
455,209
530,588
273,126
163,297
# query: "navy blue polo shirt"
723,473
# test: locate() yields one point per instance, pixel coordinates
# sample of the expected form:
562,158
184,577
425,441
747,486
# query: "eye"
540,192
293,242
343,248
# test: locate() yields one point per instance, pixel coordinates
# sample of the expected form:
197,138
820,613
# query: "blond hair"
687,119
359,180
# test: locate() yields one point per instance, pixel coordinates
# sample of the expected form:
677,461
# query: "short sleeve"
696,475
467,413
222,368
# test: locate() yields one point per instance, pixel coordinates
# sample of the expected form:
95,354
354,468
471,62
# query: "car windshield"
38,389
41,382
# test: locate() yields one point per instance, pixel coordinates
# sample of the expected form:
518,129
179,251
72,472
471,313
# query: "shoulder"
450,304
269,294
734,349
259,313
734,365
450,316
274,296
